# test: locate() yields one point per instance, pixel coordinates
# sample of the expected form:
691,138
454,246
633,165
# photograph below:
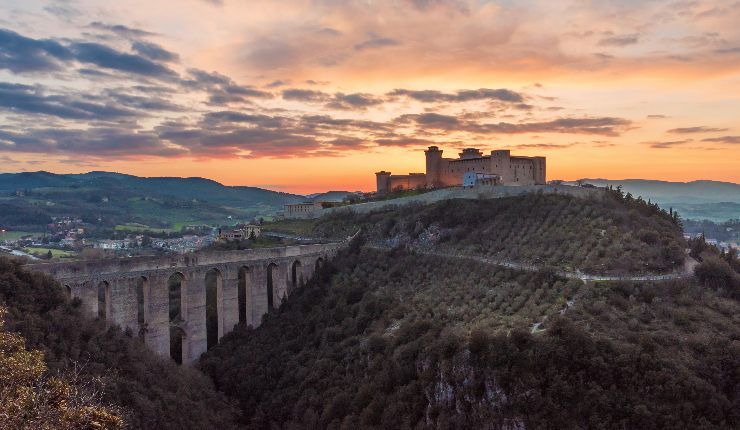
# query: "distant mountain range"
712,200
28,200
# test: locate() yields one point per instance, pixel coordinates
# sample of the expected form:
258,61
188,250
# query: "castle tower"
501,164
434,164
383,181
540,170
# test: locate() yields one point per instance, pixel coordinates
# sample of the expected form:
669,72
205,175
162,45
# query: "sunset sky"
306,96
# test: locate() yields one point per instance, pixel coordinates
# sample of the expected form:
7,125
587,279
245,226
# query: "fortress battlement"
500,167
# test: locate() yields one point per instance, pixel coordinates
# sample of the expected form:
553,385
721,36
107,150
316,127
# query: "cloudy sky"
310,95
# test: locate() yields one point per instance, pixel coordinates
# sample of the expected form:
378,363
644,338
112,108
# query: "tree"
716,273
49,255
29,398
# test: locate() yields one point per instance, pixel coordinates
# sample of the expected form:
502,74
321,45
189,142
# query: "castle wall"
407,182
447,172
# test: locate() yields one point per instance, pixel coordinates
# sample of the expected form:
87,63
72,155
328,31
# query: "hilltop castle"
471,168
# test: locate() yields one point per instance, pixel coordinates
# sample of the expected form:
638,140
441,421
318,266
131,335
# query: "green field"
55,253
136,227
298,227
13,235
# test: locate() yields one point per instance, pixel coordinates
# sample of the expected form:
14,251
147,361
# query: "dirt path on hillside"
686,271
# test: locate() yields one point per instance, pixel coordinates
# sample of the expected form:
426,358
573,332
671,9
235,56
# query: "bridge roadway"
180,305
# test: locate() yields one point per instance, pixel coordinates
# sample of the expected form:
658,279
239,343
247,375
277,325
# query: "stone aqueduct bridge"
181,305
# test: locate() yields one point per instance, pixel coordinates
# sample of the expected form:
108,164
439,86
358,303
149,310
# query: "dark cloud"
277,83
144,103
215,119
376,42
667,145
405,141
348,143
340,101
620,40
457,5
33,100
104,56
355,101
64,11
605,126
328,31
730,140
545,145
701,129
311,123
434,96
434,120
21,54
657,116
91,142
735,50
222,89
257,142
154,51
121,30
305,95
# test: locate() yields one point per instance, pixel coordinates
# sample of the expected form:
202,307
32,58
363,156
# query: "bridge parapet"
180,305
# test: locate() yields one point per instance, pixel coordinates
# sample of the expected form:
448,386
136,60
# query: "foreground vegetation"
150,392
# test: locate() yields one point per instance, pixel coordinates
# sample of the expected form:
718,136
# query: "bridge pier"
136,292
157,328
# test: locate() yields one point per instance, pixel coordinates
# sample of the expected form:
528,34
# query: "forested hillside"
29,200
613,234
151,392
390,339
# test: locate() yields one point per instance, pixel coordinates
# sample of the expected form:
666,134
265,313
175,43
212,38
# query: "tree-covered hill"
29,200
609,234
393,339
153,392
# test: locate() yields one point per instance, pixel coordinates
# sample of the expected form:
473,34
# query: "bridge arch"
142,305
244,294
176,287
176,298
103,300
272,276
214,307
296,274
178,344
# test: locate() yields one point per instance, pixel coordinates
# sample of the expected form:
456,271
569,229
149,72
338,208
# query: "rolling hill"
29,200
391,336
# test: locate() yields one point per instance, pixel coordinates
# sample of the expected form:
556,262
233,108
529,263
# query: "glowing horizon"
308,96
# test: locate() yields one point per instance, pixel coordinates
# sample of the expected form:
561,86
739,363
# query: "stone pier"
181,304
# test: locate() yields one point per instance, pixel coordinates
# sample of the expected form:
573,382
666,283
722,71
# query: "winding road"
686,271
